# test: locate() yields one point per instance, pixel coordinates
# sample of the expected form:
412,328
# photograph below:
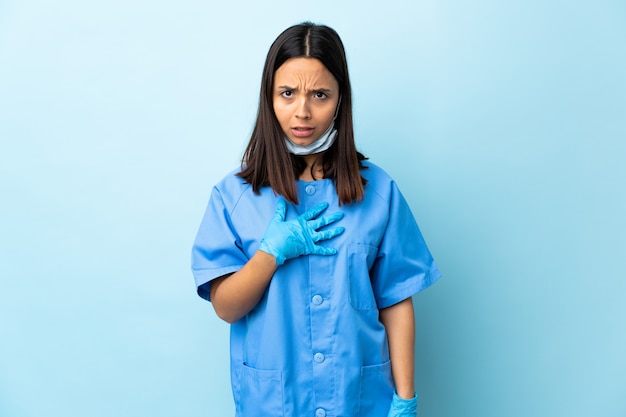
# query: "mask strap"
337,111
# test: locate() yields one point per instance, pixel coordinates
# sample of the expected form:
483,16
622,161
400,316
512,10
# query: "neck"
312,161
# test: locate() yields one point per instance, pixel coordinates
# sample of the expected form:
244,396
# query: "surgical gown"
314,345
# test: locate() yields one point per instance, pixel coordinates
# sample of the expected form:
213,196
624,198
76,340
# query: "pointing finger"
314,212
326,220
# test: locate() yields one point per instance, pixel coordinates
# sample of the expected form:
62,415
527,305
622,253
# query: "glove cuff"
265,247
402,405
396,397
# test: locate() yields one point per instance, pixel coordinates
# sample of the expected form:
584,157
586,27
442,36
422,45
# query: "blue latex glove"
403,408
290,239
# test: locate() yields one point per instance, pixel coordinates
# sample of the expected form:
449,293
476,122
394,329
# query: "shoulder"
378,180
231,187
374,172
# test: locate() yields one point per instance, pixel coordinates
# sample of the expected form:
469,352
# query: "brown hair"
266,160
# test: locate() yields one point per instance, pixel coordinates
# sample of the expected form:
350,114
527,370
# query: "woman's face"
305,99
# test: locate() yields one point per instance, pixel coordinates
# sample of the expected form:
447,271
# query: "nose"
303,111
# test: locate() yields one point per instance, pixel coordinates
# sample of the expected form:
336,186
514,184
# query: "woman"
311,252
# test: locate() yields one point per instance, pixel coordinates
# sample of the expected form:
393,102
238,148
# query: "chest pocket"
360,260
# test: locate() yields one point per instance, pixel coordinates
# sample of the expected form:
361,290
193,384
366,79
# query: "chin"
302,142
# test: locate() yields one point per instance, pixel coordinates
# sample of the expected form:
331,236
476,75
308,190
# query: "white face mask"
321,144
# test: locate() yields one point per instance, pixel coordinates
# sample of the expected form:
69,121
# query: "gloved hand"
289,239
403,408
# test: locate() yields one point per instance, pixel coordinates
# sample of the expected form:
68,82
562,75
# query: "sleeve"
217,248
404,265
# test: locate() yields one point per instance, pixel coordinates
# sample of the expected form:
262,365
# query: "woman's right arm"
234,295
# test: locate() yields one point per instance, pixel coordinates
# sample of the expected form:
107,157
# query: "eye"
287,93
320,95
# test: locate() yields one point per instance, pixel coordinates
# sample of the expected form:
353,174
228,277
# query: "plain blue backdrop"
504,124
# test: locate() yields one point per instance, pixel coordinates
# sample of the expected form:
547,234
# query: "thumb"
281,210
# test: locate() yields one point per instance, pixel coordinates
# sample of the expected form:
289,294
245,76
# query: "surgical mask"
321,144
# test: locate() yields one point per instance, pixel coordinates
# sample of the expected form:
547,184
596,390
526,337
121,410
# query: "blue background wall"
503,123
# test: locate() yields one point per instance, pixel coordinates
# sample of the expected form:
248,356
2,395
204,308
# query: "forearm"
399,321
233,296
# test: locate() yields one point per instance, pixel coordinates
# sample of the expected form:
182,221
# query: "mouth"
302,131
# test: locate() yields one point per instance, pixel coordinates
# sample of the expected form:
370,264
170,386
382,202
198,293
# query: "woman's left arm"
399,321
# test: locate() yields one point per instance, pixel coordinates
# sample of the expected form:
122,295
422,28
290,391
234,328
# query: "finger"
322,250
314,212
281,210
327,234
326,220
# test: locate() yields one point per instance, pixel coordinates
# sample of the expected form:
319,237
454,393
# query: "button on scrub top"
314,345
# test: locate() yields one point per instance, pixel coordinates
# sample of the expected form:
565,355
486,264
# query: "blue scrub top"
314,345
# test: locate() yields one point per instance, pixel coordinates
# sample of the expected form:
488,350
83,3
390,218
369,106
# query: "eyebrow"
286,87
